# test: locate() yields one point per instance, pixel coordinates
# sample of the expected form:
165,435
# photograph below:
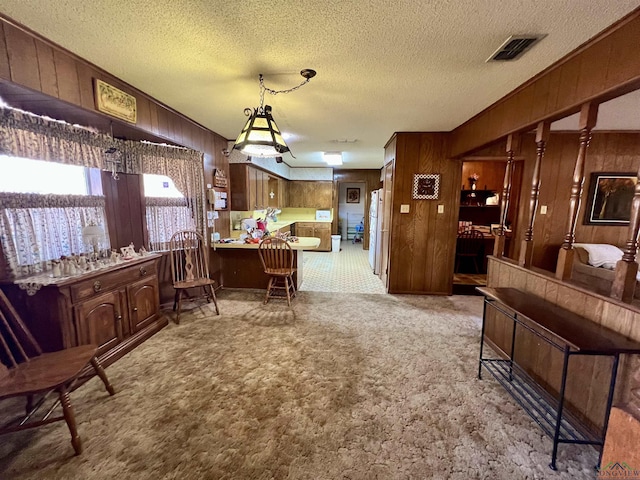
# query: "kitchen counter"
241,267
303,243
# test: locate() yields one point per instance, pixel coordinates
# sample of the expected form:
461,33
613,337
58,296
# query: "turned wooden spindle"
513,147
542,137
588,118
626,269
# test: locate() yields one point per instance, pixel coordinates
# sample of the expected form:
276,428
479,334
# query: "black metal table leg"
612,386
484,319
563,384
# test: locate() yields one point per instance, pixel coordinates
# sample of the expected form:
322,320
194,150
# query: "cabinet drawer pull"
135,309
118,317
143,271
97,286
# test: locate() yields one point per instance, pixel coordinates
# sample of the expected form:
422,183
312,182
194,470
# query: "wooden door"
304,229
99,321
239,185
274,187
253,188
323,232
143,300
387,190
264,177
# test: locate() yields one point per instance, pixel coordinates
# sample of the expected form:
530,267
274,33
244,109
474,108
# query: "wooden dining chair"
470,244
27,372
277,260
190,268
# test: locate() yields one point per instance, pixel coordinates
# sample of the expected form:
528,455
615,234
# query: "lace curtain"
185,167
35,229
165,216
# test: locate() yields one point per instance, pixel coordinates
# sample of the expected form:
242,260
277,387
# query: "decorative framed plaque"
114,102
426,186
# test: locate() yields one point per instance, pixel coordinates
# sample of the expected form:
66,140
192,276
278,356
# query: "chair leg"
69,417
175,300
286,286
475,264
293,287
179,306
266,297
103,376
213,297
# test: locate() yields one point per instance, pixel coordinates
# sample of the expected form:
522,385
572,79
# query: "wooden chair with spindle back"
277,260
25,371
190,267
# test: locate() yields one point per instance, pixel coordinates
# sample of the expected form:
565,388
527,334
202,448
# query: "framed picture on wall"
353,195
610,197
426,186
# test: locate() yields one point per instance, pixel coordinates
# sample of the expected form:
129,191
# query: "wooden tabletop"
580,333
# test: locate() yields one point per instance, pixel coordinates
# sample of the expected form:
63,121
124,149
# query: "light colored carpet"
341,386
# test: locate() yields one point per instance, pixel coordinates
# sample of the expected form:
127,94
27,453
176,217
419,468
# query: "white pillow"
601,253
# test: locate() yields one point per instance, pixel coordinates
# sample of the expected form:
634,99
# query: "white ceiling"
383,66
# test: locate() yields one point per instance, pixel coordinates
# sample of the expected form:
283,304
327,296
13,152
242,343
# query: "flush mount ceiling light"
260,136
333,158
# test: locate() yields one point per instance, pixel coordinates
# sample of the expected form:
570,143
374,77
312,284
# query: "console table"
116,307
565,331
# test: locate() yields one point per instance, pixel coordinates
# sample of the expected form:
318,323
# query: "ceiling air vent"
514,46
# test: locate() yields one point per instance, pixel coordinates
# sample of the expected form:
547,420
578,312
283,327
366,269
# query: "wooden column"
542,137
588,118
513,147
626,269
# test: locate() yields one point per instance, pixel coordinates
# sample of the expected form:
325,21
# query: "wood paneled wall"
605,67
423,241
608,152
491,174
371,179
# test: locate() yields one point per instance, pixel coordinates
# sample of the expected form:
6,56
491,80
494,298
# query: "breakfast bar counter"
241,267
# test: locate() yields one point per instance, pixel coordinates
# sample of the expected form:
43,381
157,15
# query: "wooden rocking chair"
27,371
190,267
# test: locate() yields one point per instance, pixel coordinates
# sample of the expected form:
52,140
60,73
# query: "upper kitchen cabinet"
311,194
251,188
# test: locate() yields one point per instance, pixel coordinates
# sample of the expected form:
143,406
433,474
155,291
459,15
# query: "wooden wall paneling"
67,75
47,68
143,120
570,84
86,74
163,123
23,58
5,69
423,241
491,173
153,118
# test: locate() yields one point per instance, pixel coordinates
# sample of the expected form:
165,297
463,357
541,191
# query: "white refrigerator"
373,229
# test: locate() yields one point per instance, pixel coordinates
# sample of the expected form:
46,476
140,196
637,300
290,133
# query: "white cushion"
601,254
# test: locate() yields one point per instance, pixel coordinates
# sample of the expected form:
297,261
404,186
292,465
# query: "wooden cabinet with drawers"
251,188
115,308
321,230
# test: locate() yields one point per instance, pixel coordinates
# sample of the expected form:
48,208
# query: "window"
22,175
43,208
167,211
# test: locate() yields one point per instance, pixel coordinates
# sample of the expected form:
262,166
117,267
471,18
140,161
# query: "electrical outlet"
543,210
404,208
440,208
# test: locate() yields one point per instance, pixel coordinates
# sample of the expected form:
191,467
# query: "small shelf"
475,197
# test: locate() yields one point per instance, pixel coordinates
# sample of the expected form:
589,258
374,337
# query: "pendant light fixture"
260,136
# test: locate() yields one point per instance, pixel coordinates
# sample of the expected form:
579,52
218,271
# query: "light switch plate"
404,208
440,208
543,210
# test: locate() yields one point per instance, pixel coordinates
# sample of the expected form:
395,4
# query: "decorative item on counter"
143,251
128,252
114,257
473,179
56,272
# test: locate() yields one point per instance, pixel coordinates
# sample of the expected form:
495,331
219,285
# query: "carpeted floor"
341,386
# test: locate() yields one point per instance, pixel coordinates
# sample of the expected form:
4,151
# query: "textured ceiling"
383,66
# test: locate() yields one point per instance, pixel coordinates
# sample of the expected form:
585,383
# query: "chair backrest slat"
17,341
275,253
189,256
